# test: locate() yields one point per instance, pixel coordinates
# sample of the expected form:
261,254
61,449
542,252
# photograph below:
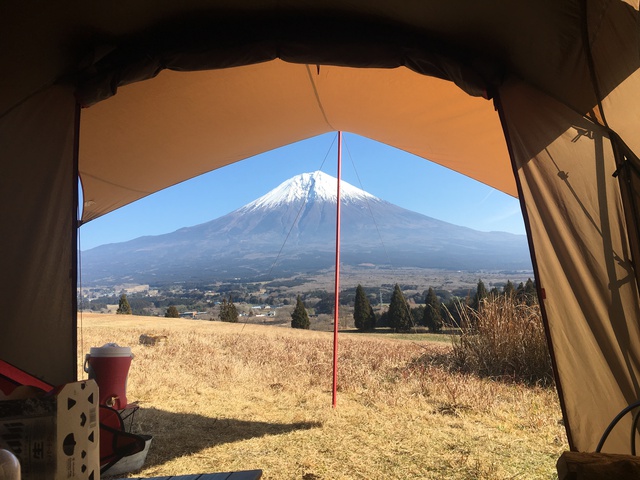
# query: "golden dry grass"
223,397
504,340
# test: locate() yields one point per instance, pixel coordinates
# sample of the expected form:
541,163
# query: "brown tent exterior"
537,99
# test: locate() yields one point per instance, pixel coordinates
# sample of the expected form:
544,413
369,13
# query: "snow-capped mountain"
295,224
313,187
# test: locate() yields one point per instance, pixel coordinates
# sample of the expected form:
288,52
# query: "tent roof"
179,125
53,41
281,102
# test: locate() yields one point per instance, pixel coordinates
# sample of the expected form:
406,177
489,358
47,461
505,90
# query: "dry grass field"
223,397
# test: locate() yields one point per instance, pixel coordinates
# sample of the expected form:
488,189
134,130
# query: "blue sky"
386,172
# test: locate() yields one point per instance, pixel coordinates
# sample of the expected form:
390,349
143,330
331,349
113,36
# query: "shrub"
504,339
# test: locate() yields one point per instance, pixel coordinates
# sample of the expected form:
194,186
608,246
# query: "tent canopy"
537,99
178,125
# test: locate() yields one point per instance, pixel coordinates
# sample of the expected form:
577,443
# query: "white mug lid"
110,350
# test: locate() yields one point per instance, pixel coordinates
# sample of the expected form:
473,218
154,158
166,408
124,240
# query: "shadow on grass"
179,434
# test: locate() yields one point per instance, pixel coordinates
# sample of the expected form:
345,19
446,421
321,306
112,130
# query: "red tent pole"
337,283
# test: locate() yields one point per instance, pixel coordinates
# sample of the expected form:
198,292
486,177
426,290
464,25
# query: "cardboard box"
56,436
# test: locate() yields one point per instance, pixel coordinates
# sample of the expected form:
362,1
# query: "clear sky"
386,172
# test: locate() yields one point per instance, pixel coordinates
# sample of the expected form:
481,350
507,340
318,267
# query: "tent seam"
596,31
589,56
317,95
114,184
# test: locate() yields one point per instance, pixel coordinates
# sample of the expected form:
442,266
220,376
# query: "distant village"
273,302
192,302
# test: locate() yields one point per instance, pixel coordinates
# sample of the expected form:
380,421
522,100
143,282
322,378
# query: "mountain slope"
247,241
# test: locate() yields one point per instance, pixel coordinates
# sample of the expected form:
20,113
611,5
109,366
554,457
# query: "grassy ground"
223,397
412,337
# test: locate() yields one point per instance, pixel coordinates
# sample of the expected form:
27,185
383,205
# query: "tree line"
434,314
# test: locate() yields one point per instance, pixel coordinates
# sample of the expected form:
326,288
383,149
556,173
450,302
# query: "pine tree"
363,315
299,317
509,289
520,296
433,311
123,306
399,316
228,311
223,310
172,312
232,312
481,294
454,308
530,293
372,318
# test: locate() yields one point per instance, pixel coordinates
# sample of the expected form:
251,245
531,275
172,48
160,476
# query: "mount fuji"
291,230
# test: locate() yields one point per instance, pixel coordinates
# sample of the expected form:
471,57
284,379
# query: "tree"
454,308
372,318
481,294
383,319
530,292
399,314
123,306
526,293
299,317
232,311
433,311
363,315
509,290
228,311
172,312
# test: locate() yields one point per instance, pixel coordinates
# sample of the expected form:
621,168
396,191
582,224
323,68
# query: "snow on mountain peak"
314,186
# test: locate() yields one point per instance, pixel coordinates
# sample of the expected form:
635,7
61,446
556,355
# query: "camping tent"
537,99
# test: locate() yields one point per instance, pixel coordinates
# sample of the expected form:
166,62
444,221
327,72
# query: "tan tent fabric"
156,133
38,281
572,75
583,259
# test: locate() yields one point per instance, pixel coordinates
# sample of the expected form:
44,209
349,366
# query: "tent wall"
37,290
576,222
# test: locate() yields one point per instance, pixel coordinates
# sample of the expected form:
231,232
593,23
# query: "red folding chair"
12,377
115,442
